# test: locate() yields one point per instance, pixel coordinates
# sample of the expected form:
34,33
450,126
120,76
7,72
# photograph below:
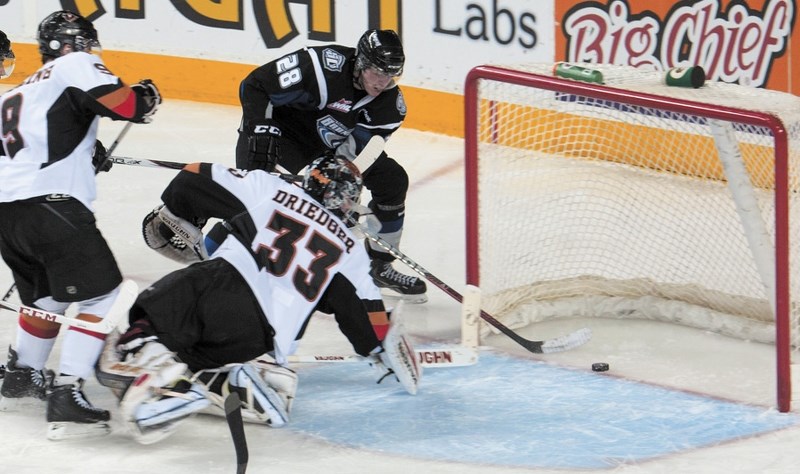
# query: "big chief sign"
735,41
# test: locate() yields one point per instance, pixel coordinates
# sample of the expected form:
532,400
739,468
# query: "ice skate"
70,414
395,284
22,382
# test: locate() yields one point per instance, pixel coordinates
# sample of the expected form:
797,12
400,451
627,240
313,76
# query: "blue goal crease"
507,411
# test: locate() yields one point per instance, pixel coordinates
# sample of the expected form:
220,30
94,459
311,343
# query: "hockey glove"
174,237
147,100
263,149
100,159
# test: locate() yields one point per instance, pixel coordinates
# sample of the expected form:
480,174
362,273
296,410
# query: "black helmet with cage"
7,58
66,28
335,183
382,50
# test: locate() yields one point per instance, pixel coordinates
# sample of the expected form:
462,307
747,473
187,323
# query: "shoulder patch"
332,59
401,102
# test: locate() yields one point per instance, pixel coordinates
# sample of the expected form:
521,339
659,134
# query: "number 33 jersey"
284,243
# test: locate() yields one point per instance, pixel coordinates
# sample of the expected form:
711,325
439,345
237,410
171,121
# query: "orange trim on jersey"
192,168
122,101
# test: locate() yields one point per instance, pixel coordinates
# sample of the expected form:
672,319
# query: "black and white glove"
381,368
148,99
100,159
263,148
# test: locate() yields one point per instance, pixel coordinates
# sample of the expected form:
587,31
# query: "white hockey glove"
149,97
173,237
397,357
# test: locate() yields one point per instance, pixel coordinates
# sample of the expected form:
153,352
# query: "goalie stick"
127,295
233,415
427,357
558,344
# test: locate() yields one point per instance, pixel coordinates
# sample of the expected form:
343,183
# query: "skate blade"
61,430
152,434
412,299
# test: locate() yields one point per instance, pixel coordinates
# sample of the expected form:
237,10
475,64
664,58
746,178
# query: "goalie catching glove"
173,237
262,144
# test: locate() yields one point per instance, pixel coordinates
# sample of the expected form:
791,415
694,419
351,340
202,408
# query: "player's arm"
137,103
354,315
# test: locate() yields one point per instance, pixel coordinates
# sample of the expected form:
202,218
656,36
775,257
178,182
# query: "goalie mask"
64,28
335,183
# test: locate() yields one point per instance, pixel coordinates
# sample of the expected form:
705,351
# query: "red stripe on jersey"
127,107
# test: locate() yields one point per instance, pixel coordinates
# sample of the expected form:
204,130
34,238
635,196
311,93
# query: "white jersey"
49,125
292,249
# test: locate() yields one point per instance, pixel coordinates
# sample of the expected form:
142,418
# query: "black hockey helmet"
65,27
336,183
382,50
7,57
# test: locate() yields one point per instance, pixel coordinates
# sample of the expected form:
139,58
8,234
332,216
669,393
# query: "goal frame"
781,172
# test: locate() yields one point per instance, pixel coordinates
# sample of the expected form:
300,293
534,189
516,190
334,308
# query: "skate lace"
38,379
391,274
80,399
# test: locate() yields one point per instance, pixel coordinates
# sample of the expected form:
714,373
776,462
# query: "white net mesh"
591,207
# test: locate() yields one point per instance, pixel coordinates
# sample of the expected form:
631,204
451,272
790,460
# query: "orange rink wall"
218,83
441,112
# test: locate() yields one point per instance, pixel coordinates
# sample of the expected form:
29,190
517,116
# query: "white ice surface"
658,353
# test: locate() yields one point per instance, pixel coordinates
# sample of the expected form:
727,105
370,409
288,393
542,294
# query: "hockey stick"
114,146
434,358
558,344
10,290
174,165
126,297
233,414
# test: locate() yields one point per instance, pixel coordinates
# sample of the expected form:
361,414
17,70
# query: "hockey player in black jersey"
334,97
7,57
288,254
48,234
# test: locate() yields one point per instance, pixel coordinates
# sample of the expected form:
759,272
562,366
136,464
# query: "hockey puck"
599,367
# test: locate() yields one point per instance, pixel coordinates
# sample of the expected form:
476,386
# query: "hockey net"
635,199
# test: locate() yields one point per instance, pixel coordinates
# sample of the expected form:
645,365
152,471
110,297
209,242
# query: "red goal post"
634,198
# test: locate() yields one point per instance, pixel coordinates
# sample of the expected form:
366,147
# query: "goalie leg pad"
173,237
152,412
257,396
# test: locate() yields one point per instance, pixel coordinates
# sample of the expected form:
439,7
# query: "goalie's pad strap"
398,353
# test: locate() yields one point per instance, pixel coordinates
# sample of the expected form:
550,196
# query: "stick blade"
233,414
568,341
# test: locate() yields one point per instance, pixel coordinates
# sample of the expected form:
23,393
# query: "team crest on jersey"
332,60
401,103
342,105
331,131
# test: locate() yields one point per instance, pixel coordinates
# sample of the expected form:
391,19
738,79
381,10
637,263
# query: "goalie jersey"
284,243
49,125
